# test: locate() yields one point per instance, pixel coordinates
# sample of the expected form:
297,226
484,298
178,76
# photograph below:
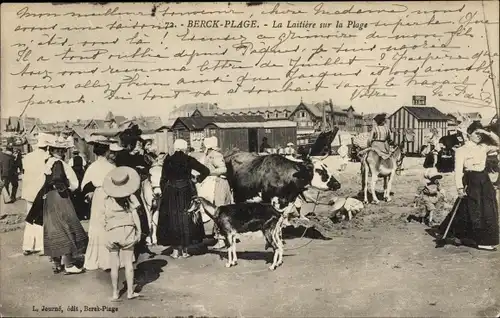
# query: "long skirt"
33,235
63,233
477,214
215,190
97,255
445,161
177,227
382,146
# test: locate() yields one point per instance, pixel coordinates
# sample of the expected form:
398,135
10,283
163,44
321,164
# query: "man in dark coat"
264,145
9,175
19,161
78,164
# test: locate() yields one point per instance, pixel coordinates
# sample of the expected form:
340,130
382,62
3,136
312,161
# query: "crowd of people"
475,222
475,167
56,189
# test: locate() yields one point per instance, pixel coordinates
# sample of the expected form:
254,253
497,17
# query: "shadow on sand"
291,232
146,273
380,195
249,255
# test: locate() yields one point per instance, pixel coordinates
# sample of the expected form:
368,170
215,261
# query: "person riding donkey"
380,137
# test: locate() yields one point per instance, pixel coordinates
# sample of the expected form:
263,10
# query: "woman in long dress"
215,187
33,180
476,220
380,135
97,255
63,234
175,226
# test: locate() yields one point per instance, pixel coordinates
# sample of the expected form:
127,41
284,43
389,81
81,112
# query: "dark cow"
251,175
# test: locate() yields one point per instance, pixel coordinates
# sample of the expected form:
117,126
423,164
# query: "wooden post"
332,116
323,127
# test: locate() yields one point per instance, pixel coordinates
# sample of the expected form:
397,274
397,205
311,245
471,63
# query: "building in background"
193,129
417,121
309,117
198,109
248,135
268,112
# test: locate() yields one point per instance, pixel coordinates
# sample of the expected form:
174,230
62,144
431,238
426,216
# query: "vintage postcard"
264,159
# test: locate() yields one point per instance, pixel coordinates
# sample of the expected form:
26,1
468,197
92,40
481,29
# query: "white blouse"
470,157
97,171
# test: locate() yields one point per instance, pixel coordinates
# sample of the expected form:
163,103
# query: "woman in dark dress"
133,157
476,220
63,234
176,227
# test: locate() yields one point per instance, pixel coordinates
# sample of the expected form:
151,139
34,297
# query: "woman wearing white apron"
33,180
215,187
97,256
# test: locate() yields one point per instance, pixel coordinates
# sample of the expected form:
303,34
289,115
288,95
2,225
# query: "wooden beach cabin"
419,120
247,136
192,129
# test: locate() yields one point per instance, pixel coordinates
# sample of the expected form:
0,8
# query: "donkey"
379,165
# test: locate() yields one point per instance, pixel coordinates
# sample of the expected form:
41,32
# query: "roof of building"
81,132
117,119
204,112
29,123
150,122
112,132
205,108
47,128
264,124
198,123
425,113
256,110
101,123
109,116
317,108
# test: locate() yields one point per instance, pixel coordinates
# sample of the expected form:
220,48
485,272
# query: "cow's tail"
209,208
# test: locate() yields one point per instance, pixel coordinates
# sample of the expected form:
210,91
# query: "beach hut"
192,129
420,121
247,136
